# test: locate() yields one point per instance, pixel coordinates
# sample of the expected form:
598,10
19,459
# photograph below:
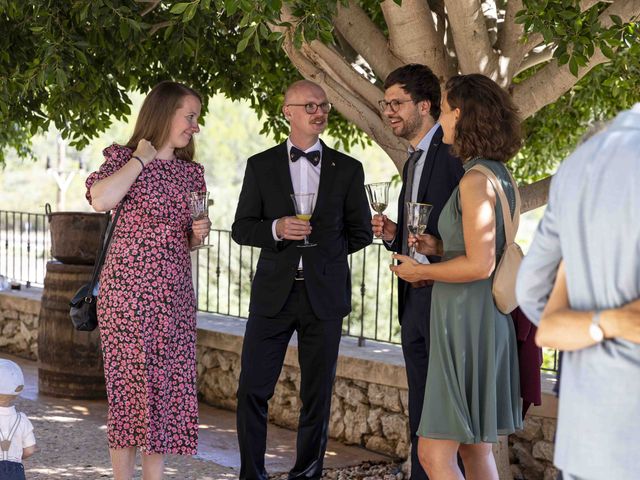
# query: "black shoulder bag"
83,304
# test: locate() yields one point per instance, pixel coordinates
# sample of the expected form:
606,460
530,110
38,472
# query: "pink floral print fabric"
147,309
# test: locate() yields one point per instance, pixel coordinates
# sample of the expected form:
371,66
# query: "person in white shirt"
16,432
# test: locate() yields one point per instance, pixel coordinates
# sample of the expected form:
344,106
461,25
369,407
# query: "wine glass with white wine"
303,203
199,203
417,218
378,194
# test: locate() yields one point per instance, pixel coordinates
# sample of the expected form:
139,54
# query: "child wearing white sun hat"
16,432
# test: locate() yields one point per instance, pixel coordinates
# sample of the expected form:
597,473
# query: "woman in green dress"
472,393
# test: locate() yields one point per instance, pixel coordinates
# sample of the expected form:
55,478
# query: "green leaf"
61,77
242,44
231,7
573,66
617,20
607,51
190,13
179,8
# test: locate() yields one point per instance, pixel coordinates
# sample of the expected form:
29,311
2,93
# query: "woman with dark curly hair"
473,391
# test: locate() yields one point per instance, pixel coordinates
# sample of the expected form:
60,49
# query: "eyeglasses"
394,104
312,107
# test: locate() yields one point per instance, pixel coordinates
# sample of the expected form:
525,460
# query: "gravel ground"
72,445
364,471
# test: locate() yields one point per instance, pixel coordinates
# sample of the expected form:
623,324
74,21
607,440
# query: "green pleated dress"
473,385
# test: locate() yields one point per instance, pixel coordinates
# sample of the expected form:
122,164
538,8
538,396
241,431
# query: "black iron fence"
224,273
25,247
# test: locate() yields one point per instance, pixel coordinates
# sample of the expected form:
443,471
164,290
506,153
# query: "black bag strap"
105,248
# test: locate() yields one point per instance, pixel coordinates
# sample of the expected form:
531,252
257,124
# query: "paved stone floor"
71,437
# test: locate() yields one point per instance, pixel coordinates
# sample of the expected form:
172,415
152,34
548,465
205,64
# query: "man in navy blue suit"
306,290
412,106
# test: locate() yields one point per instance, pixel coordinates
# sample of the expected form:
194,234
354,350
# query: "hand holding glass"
417,218
303,203
378,194
199,208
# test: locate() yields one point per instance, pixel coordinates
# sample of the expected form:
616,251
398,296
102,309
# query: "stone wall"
19,312
531,449
362,413
369,406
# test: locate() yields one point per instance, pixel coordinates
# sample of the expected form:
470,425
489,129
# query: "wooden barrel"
75,236
70,361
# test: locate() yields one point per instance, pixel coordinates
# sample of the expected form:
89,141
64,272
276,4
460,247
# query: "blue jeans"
11,470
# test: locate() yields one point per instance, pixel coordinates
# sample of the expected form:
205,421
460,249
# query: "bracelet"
139,159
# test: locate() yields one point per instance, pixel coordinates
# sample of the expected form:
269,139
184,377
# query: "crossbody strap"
12,432
105,247
510,225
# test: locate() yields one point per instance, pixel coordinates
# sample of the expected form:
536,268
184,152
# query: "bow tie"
313,156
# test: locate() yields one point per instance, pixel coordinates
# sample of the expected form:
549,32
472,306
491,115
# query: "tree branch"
549,84
157,26
334,64
510,32
364,36
535,194
470,35
627,10
535,58
413,35
354,108
152,4
552,81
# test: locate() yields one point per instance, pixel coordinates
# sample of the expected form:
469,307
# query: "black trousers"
11,470
263,351
415,347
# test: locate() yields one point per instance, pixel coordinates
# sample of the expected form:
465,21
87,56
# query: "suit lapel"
283,174
429,162
328,171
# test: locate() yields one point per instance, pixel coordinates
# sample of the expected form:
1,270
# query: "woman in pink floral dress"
147,306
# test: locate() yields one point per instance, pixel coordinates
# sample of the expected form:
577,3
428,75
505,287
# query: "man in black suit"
306,290
412,106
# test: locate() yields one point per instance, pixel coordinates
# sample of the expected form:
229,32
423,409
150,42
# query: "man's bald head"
305,127
302,87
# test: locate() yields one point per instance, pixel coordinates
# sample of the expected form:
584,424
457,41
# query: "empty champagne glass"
378,194
303,203
199,208
417,218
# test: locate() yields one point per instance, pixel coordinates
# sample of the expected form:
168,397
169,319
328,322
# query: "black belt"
299,274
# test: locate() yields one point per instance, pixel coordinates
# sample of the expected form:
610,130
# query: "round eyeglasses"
312,107
394,104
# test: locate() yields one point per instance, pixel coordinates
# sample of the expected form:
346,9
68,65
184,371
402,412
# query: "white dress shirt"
417,175
23,436
305,178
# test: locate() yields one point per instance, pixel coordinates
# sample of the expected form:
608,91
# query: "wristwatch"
595,331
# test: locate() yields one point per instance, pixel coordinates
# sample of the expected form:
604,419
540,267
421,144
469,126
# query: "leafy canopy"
73,63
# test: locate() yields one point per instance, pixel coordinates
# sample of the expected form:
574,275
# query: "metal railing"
224,275
25,246
226,270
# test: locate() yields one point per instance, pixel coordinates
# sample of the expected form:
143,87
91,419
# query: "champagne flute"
303,203
417,217
378,194
199,208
